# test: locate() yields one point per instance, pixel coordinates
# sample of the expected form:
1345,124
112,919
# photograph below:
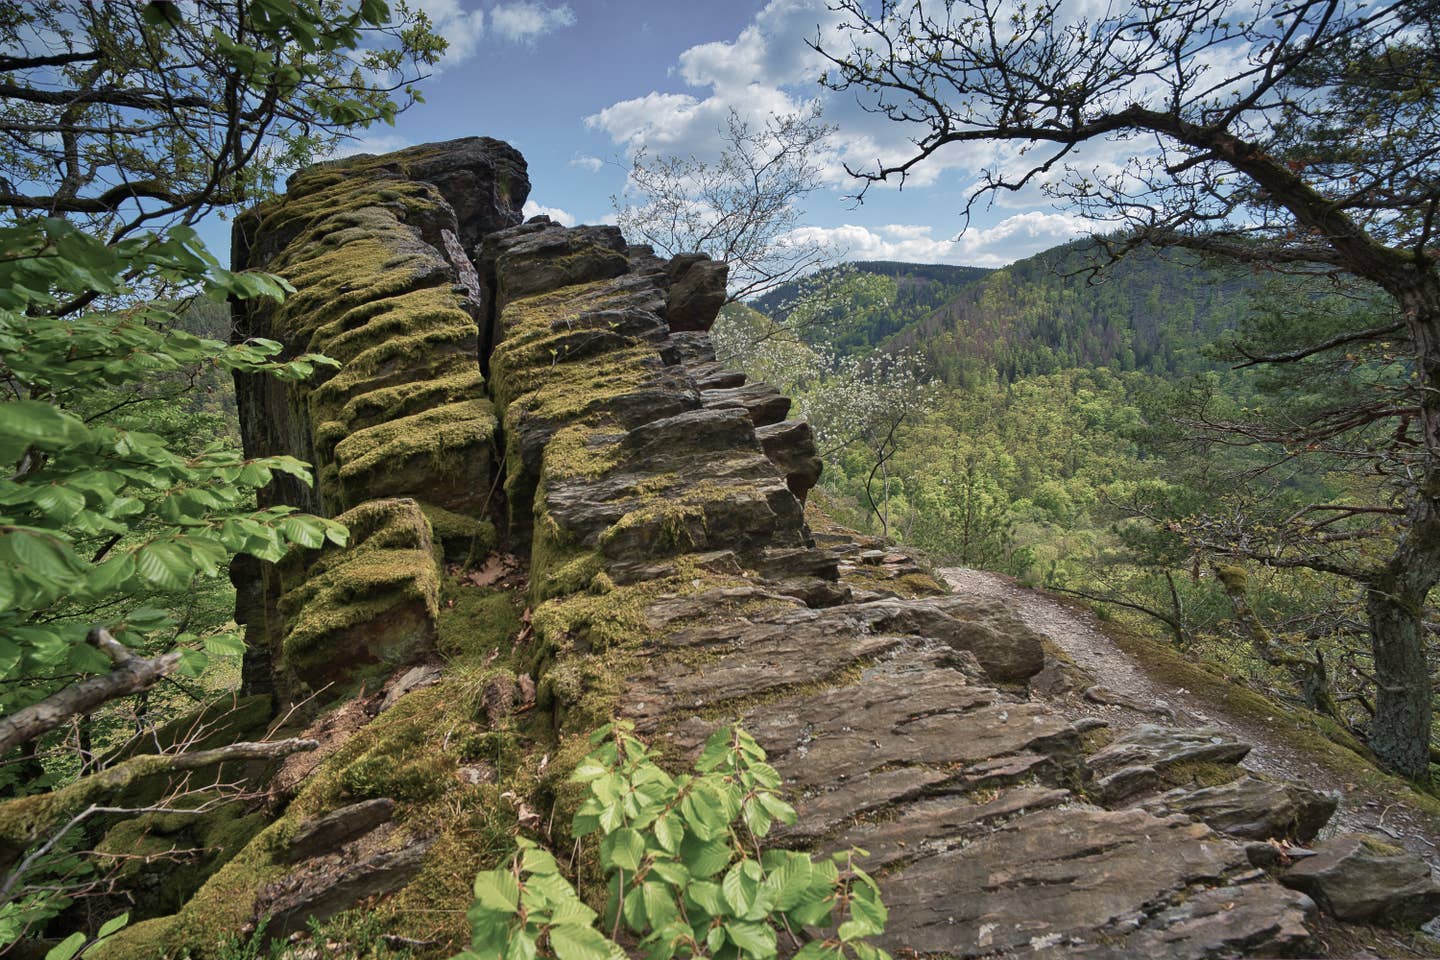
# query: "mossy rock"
462,539
444,452
474,621
166,857
353,614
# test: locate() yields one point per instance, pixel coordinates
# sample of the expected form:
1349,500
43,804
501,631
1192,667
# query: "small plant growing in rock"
687,876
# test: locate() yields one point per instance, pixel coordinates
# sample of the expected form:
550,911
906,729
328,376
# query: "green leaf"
660,907
164,565
706,896
668,832
192,663
756,939
497,890
790,883
535,860
579,943
705,858
624,848
67,948
522,947
224,645
634,910
28,423
39,554
716,751
113,925
867,912
704,813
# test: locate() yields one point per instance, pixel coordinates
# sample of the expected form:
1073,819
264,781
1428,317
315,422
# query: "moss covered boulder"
353,614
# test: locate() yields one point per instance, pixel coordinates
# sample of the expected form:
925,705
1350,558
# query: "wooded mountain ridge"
1153,312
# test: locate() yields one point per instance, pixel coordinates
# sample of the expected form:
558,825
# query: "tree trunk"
1395,600
1395,603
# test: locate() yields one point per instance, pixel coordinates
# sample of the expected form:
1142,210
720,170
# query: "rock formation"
558,384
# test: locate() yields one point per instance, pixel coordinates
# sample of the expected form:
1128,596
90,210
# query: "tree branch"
1337,341
132,674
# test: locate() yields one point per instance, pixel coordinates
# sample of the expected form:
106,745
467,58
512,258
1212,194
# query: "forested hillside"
858,306
1151,312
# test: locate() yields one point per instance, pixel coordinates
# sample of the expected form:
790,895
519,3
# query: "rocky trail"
1117,689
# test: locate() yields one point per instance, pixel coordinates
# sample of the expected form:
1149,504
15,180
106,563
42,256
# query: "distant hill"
913,291
1152,311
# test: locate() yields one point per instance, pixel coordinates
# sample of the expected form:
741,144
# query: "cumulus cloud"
767,69
523,21
587,162
1009,240
533,209
461,27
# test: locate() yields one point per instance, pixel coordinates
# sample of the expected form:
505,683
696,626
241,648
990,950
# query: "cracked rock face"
1365,880
1254,808
1089,881
1160,747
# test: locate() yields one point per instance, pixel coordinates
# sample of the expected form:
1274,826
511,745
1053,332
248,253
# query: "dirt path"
1078,633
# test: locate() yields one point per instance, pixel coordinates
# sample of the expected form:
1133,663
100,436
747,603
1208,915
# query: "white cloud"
533,209
1007,241
586,162
462,28
767,69
522,21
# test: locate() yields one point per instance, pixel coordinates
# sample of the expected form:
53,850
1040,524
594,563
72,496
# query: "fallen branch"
25,820
132,674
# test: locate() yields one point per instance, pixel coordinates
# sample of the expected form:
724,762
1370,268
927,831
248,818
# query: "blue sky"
578,86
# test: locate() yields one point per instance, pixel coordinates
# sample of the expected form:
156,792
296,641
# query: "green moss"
584,450
463,539
475,621
1234,578
358,592
390,403
664,525
425,355
1201,774
165,858
386,774
597,622
145,940
26,819
1378,846
557,566
387,571
439,433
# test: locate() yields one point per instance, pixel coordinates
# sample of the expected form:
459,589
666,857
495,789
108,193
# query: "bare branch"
131,675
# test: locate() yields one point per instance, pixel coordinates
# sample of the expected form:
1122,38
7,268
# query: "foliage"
94,514
127,115
687,874
77,942
740,208
855,404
